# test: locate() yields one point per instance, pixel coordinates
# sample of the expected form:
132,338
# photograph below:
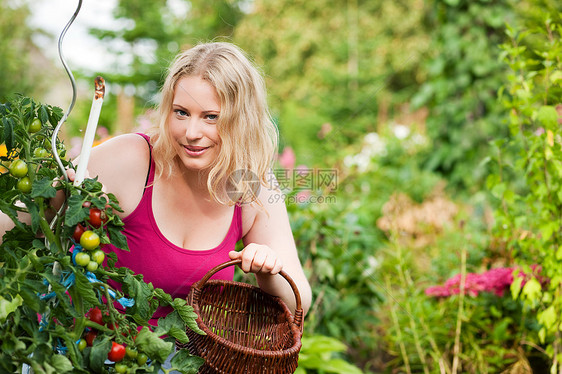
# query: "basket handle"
298,311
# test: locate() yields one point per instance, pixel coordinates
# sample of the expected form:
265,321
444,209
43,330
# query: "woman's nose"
193,128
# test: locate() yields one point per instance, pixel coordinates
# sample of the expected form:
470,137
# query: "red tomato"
117,352
78,231
90,336
97,217
95,315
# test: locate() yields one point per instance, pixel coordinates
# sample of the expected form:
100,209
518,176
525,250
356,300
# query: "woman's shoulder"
121,164
121,150
131,140
267,210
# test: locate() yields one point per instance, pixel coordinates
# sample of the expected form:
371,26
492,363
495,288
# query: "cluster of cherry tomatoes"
91,257
19,168
118,352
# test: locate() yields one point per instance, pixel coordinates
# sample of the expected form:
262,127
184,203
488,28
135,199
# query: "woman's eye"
212,117
180,112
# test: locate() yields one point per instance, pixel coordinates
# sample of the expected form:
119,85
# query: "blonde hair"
248,136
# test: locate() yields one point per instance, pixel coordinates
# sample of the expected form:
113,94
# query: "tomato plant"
78,320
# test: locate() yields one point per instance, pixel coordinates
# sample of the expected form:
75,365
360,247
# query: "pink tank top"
167,266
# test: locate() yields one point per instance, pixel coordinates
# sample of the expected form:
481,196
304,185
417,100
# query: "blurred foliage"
319,355
155,31
463,75
341,245
18,54
334,66
528,216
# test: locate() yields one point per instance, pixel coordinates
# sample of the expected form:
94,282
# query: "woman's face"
193,122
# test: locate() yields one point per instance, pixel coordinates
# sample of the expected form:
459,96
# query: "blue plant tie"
68,279
77,249
61,348
125,302
43,323
47,296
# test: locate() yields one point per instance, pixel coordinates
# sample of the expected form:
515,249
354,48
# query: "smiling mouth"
193,150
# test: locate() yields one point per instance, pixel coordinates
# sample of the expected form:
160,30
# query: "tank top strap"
237,222
150,174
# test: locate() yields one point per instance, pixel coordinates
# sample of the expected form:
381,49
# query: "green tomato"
35,126
131,352
92,266
40,153
98,256
18,168
141,359
82,259
24,185
82,344
121,368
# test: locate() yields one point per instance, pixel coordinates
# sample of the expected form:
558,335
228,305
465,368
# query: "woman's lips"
194,150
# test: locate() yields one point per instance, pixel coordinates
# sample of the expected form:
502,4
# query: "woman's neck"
194,181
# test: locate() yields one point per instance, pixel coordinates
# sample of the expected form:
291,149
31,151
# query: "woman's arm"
270,247
120,163
6,223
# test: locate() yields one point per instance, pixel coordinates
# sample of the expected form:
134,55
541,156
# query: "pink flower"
494,280
287,158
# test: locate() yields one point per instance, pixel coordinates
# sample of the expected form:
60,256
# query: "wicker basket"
248,330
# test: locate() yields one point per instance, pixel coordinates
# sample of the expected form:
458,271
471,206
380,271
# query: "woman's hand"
258,258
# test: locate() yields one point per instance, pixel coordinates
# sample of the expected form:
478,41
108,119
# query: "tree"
464,73
334,62
17,52
156,30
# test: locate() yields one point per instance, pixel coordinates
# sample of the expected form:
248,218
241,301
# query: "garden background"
420,155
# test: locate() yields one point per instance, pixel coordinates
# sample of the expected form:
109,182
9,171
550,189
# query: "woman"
184,202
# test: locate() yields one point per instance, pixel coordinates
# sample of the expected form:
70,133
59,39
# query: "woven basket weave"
248,330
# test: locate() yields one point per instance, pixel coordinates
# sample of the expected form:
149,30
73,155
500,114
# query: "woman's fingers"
257,258
70,173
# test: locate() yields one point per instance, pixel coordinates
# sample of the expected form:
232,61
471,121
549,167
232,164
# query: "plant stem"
78,302
457,348
49,234
397,326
